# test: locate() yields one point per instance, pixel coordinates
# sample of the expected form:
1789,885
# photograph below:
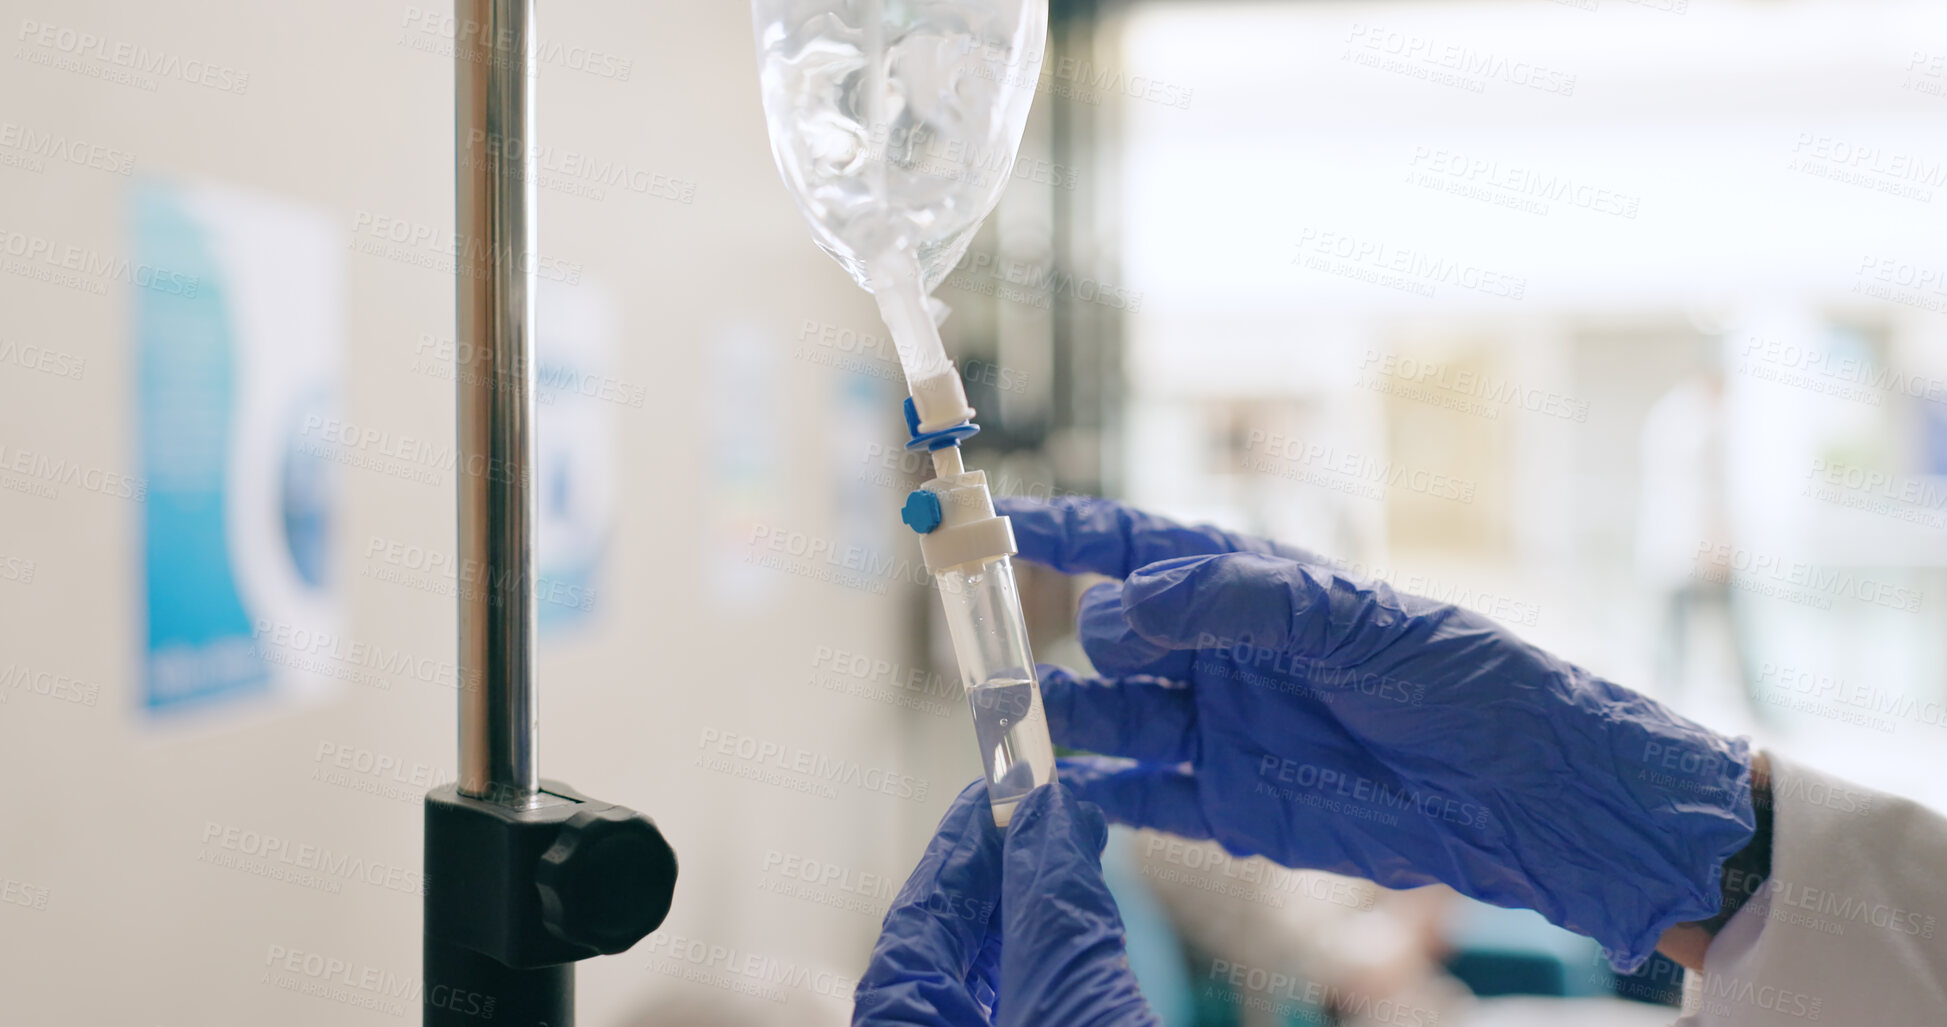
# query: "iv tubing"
937,392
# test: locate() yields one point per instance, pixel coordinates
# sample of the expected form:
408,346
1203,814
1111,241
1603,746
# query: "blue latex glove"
1017,931
1284,708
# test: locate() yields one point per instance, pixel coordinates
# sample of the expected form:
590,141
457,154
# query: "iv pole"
523,876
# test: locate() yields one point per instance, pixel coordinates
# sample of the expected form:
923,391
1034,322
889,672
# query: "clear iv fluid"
1013,736
983,614
895,124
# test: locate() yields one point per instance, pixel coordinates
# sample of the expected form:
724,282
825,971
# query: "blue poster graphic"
235,345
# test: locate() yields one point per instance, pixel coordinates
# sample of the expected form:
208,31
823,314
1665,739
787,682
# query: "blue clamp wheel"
935,439
922,511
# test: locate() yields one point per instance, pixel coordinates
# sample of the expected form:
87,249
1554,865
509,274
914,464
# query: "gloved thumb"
1064,959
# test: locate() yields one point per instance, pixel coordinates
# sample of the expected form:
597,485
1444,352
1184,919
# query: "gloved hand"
1287,709
1016,932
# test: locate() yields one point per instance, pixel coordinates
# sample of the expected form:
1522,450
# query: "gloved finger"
1268,602
1064,959
1115,648
1159,796
1141,718
926,968
983,981
1075,534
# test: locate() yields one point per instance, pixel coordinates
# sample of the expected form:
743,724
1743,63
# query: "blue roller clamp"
922,510
936,439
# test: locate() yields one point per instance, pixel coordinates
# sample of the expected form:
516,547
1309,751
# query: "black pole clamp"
515,896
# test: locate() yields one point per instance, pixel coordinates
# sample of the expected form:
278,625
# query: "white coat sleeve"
1846,930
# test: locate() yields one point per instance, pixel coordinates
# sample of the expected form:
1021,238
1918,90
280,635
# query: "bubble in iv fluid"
1013,735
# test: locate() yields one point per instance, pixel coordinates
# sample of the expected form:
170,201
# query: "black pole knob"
607,881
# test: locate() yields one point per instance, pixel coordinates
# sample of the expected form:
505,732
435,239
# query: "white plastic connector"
941,401
939,397
969,532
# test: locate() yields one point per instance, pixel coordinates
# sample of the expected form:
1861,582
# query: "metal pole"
494,66
520,884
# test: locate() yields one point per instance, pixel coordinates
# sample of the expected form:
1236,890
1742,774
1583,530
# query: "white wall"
344,114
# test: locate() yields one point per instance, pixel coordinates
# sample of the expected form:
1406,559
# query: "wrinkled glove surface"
1263,698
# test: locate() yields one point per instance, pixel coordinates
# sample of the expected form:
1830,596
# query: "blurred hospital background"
1621,321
